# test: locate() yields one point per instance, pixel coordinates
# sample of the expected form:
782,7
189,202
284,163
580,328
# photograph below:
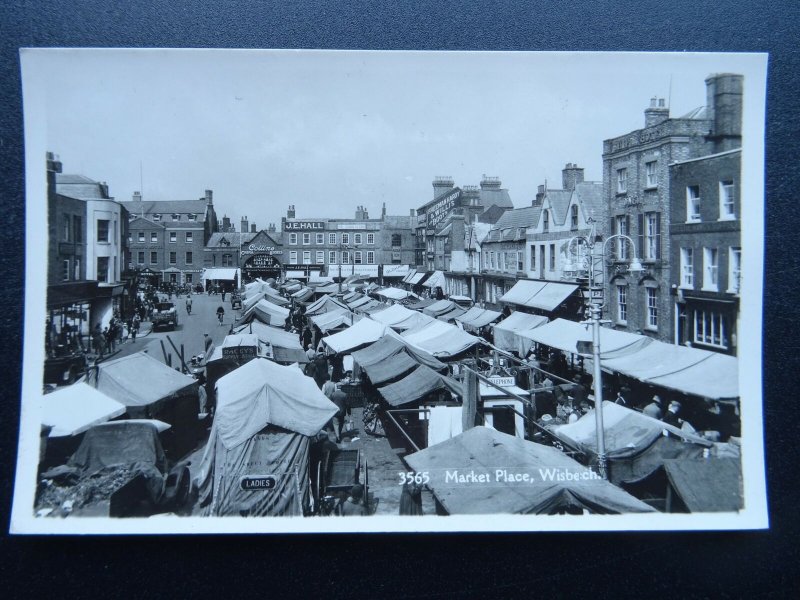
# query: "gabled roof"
559,204
235,238
492,214
589,195
519,218
495,197
147,222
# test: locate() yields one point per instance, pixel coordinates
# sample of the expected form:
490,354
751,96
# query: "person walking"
99,341
220,314
135,324
188,305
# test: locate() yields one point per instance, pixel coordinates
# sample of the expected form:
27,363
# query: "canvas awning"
417,384
303,294
332,320
634,443
359,302
360,334
267,312
286,346
261,393
221,274
381,372
74,409
391,345
477,317
689,370
324,304
435,280
544,295
420,303
440,339
394,293
141,382
417,278
452,314
393,314
412,321
565,335
482,450
439,308
707,484
296,274
409,276
328,288
363,270
368,307
507,333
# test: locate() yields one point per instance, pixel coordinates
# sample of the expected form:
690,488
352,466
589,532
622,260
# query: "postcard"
429,291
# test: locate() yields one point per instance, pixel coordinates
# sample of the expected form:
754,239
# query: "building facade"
168,238
705,231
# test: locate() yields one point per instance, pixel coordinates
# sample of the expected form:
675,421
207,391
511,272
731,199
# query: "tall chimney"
245,227
441,184
383,211
540,192
490,183
656,113
226,223
137,196
571,175
253,228
290,213
724,107
209,197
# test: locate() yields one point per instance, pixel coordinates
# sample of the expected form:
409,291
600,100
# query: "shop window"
709,329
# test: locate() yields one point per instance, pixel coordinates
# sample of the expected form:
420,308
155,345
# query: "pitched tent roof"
544,295
286,346
393,314
440,339
332,320
324,304
384,371
565,335
142,383
391,345
268,313
435,280
477,317
707,485
688,370
412,321
274,296
74,409
360,334
634,443
417,278
482,450
418,383
261,393
394,293
439,307
507,332
303,294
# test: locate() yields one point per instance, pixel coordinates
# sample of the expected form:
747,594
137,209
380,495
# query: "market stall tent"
366,331
266,415
285,346
391,345
416,385
477,317
440,339
508,333
324,304
689,370
485,452
266,312
73,409
542,295
394,293
707,484
332,320
565,335
635,444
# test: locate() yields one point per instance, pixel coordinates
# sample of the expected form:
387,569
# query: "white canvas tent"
74,409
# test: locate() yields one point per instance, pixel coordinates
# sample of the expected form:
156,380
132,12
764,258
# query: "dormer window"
192,217
176,217
156,218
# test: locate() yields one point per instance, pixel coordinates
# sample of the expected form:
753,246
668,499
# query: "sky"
329,131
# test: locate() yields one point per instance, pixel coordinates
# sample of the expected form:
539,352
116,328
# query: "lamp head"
635,266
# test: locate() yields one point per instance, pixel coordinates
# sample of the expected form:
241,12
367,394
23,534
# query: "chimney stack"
656,113
490,183
290,213
253,228
571,175
383,212
271,228
209,197
724,108
137,196
441,184
245,227
226,223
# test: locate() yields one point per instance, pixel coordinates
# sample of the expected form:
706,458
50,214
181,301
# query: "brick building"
705,230
638,196
168,237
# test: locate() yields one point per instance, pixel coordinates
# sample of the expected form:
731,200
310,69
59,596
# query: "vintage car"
236,301
165,315
119,470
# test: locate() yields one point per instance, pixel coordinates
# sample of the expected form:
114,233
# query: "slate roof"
492,214
167,207
397,222
590,197
496,197
234,237
79,187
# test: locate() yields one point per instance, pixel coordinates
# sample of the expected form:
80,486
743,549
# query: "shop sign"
437,212
303,225
262,261
258,482
502,381
262,248
239,353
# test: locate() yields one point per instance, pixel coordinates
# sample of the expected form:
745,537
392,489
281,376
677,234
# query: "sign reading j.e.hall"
305,225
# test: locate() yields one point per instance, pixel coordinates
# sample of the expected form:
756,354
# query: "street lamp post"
595,320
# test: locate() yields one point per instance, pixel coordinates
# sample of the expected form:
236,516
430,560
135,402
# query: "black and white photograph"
439,291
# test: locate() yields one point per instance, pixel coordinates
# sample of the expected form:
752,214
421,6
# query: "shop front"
261,265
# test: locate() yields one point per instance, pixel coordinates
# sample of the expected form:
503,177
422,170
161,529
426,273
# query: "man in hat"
654,408
354,505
